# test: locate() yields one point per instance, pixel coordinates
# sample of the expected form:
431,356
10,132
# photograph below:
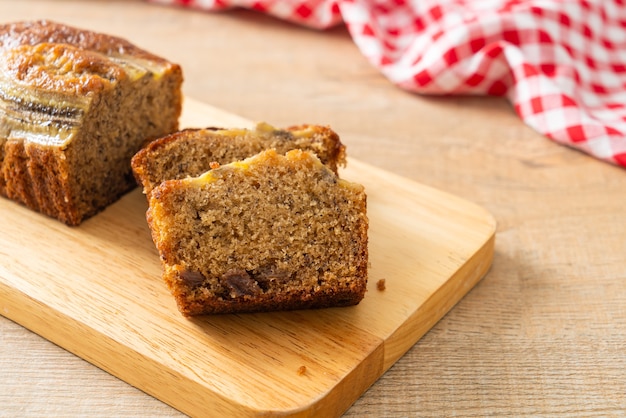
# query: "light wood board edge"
443,299
87,342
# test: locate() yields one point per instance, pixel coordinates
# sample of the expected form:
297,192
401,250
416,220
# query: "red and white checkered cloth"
562,64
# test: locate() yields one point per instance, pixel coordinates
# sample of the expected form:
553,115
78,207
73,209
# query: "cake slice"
191,152
271,232
75,106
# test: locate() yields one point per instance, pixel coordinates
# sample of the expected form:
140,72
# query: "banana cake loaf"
192,151
75,106
271,232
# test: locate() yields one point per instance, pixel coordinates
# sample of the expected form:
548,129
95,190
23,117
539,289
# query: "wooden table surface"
544,333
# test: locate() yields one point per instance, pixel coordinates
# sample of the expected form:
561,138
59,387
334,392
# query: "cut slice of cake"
191,152
75,106
271,232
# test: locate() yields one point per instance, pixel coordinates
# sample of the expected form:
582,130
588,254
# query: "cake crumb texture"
271,232
75,106
191,152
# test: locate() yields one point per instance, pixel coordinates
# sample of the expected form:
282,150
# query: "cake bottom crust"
192,302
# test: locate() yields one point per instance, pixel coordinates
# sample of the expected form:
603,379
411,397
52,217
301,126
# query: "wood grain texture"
98,293
543,334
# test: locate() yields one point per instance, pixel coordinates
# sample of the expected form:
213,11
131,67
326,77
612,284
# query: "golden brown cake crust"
61,68
268,233
75,106
45,31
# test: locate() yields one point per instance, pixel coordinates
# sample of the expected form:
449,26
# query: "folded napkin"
562,64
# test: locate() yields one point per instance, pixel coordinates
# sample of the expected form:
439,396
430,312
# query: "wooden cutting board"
96,290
